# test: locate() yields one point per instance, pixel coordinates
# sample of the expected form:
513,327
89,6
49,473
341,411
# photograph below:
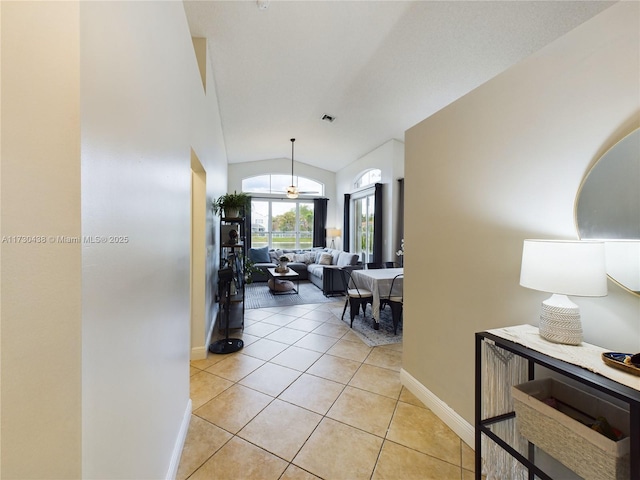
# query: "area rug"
258,295
363,327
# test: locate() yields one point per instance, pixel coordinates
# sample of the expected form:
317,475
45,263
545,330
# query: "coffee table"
289,275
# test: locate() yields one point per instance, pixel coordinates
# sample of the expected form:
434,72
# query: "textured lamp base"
560,321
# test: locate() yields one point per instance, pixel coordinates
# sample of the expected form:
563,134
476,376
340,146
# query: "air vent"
328,118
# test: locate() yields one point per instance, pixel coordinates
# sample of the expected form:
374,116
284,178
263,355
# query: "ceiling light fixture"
263,4
292,190
328,118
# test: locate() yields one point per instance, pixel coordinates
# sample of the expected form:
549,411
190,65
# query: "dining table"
378,282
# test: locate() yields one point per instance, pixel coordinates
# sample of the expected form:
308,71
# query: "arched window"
363,208
281,222
370,177
276,184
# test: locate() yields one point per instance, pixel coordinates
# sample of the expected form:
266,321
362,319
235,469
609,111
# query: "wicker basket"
590,454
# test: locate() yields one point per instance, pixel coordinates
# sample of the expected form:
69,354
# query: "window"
277,185
363,213
369,177
283,224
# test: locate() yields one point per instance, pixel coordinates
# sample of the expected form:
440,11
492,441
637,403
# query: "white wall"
389,158
144,111
102,104
502,164
41,309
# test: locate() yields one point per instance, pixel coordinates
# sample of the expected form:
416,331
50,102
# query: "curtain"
377,224
320,222
247,226
346,241
400,215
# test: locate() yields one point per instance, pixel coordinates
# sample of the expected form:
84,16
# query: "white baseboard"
179,445
444,412
200,353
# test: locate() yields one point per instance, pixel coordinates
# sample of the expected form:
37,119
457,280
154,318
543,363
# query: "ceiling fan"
292,190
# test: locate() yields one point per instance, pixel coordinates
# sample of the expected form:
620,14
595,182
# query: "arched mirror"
608,208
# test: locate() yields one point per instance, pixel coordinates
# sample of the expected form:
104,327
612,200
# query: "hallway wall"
502,164
41,272
102,103
143,110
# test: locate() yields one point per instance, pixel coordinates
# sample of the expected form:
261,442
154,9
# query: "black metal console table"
625,393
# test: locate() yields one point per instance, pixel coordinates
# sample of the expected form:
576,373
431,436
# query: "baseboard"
179,445
444,412
200,353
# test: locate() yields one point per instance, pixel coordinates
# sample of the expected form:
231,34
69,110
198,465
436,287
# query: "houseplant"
231,205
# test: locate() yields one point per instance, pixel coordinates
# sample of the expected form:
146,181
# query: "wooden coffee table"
290,275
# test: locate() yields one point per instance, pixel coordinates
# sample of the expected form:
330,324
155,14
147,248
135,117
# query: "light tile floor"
307,399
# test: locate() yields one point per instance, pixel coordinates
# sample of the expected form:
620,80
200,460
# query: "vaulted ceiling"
378,67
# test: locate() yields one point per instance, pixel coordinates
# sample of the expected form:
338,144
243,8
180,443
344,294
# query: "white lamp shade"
565,267
333,232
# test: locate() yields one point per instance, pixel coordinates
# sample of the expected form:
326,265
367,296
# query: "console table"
580,363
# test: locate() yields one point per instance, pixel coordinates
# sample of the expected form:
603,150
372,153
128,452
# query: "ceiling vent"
328,118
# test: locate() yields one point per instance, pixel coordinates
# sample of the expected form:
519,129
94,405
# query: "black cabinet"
626,394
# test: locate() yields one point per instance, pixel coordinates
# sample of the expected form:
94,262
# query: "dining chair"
395,302
390,265
374,266
356,296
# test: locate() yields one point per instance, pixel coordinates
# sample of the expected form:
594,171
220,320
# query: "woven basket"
590,454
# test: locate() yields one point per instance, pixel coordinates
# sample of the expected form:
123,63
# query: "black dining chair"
374,266
356,296
390,265
395,301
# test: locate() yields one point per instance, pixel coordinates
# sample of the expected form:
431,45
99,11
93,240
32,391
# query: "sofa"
321,266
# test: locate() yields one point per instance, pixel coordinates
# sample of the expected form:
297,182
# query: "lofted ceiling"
378,67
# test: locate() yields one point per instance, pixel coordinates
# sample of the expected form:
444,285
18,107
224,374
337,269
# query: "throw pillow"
259,255
275,255
299,257
325,259
290,256
346,258
319,254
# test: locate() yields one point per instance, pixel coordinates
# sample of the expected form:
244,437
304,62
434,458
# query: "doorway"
198,257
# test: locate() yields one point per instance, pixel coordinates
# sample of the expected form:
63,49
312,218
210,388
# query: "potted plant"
232,205
283,263
249,269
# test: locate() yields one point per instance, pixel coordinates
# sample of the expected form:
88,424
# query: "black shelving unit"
623,393
231,284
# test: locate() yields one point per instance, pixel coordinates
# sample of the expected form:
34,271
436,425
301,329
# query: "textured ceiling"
378,67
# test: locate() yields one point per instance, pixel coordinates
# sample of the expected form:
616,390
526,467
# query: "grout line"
323,416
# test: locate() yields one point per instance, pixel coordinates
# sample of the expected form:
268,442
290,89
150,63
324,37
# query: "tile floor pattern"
307,399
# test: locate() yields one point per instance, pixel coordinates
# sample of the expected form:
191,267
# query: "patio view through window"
364,209
282,224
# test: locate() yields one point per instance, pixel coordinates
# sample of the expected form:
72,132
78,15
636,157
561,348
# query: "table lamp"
563,267
333,233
